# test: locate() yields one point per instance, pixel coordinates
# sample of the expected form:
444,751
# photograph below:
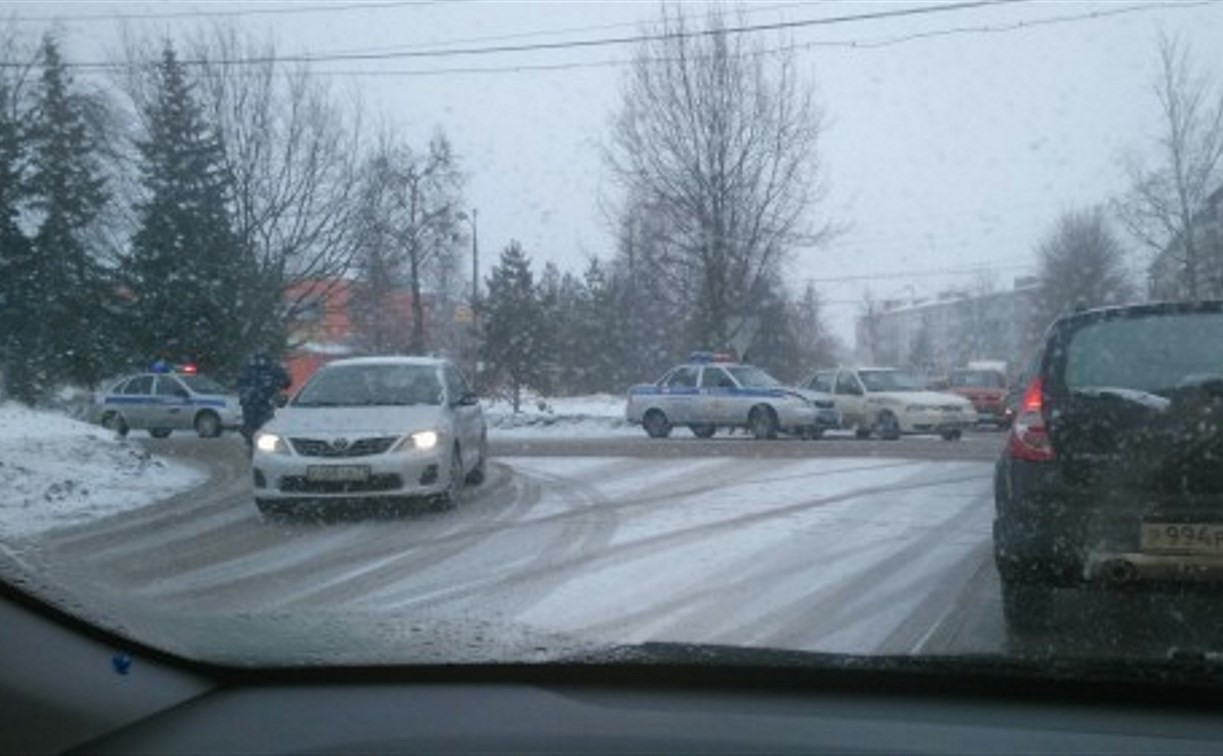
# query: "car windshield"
752,377
890,380
371,386
466,278
978,379
202,384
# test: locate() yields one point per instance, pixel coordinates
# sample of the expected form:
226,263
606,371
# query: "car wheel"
952,435
113,421
887,426
160,432
208,425
656,424
703,430
1027,607
763,422
475,476
449,499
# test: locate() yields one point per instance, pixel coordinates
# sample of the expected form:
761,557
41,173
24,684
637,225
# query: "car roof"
389,360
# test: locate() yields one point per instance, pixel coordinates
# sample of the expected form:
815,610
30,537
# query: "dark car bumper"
1050,532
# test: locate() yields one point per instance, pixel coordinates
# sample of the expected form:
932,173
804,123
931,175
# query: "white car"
372,428
710,391
889,402
164,401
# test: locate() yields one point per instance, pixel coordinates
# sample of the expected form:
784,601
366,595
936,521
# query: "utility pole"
475,261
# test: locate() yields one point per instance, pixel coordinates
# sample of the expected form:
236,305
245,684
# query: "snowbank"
58,471
571,416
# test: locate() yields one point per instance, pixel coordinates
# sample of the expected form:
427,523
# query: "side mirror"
281,399
468,399
182,393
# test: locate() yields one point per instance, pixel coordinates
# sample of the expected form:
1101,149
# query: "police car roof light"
706,357
190,368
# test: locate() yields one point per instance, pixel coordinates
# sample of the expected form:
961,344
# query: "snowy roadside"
56,471
592,416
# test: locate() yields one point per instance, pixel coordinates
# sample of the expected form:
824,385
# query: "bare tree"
409,229
1081,264
1165,198
293,161
720,141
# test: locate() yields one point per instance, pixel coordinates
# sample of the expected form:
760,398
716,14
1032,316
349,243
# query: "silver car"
163,402
372,428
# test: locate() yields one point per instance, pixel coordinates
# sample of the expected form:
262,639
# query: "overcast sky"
947,155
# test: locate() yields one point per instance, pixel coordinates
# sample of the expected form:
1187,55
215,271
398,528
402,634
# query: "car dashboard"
68,687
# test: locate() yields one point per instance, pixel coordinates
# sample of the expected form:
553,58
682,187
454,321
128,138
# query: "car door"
850,398
137,395
170,406
467,414
679,393
718,400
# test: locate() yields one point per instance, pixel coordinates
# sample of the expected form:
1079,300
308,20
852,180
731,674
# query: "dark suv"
1113,472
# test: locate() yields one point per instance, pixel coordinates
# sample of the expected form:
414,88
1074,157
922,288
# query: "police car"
713,390
164,400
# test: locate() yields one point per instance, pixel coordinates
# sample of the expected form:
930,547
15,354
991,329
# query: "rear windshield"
1156,353
977,379
752,377
202,384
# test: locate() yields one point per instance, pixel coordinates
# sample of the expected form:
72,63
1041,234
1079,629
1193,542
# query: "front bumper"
390,475
936,421
798,419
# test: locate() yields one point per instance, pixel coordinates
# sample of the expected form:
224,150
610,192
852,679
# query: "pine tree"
514,342
67,340
16,257
186,272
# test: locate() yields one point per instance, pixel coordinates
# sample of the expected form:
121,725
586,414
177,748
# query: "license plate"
1182,538
345,473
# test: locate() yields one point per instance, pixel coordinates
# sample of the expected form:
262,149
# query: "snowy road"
832,554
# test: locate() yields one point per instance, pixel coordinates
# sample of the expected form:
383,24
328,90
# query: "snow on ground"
56,471
739,552
592,416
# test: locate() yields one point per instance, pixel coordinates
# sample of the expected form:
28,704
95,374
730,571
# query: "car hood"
380,420
819,398
920,397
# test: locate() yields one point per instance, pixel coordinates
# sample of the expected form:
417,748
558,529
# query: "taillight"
1029,439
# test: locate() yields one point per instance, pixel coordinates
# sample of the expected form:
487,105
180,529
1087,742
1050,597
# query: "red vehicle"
986,389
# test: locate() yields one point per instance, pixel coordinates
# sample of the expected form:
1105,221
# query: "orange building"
325,328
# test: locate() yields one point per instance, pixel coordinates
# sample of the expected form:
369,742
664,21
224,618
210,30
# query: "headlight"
271,444
425,440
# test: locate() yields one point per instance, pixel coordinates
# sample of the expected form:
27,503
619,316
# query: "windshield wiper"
1134,396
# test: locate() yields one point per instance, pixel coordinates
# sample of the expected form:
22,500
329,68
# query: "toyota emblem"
340,444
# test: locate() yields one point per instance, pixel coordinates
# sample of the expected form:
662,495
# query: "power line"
753,10
288,10
922,273
803,46
586,43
